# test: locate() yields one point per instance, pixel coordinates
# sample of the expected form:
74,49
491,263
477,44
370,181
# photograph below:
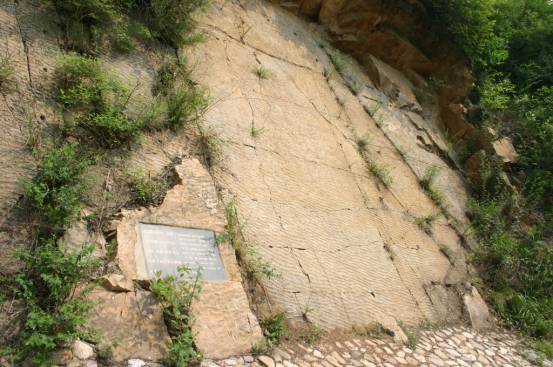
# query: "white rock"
91,363
135,363
317,354
82,350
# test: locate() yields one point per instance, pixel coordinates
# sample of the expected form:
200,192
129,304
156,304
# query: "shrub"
82,83
46,284
176,295
112,128
210,147
186,104
171,20
275,328
55,192
6,70
146,190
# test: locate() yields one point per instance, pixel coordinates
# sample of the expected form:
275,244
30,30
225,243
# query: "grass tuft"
6,70
262,73
425,223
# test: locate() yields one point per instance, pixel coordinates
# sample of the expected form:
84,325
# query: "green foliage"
146,190
55,314
176,295
311,334
262,73
89,24
185,105
6,70
96,101
55,192
517,258
340,61
425,223
275,328
112,128
210,147
380,172
427,184
254,265
363,144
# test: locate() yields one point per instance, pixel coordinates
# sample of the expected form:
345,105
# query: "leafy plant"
112,128
186,104
275,328
146,190
47,283
425,223
55,192
380,172
6,70
176,295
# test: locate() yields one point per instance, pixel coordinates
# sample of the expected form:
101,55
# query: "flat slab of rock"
130,322
477,310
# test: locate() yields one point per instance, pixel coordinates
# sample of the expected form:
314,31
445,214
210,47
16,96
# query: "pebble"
266,361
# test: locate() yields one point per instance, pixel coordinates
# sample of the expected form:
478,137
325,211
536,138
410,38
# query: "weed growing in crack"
176,295
186,104
262,73
363,144
379,171
145,189
254,265
425,223
427,184
6,70
372,110
311,334
340,61
372,331
446,251
210,146
412,337
254,132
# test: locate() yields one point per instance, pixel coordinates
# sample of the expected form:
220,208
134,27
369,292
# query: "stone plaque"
167,248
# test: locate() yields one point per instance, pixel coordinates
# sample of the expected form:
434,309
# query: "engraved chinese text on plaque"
167,248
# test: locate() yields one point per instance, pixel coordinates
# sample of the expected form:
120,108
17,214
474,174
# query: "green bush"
6,70
176,295
82,83
47,283
112,128
146,190
170,20
185,105
55,192
275,328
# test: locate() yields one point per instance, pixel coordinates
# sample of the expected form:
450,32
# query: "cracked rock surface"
347,247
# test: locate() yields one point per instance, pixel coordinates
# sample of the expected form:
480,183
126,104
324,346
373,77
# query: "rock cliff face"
324,156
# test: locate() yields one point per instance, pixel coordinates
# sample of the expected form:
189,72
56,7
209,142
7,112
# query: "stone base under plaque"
223,322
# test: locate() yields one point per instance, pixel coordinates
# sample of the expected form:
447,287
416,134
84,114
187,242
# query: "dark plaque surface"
167,248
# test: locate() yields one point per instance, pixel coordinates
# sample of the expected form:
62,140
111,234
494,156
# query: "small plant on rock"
176,295
425,223
185,105
262,73
380,172
146,190
6,70
427,183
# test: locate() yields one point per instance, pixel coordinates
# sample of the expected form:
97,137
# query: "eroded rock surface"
347,247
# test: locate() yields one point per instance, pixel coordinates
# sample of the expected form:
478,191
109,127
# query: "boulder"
505,150
117,283
82,350
477,310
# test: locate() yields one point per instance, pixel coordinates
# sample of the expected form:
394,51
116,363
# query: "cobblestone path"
456,346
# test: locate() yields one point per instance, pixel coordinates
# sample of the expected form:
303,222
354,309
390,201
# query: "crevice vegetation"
176,295
376,169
